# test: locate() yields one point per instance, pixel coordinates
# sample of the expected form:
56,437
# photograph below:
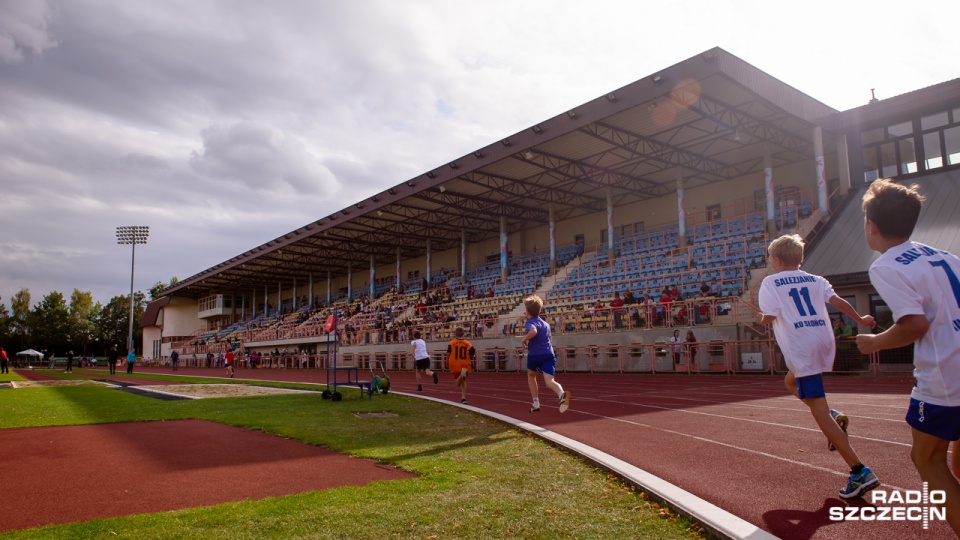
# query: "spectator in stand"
674,293
629,298
715,289
665,311
617,305
704,289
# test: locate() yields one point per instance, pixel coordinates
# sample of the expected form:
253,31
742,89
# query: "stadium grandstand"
644,211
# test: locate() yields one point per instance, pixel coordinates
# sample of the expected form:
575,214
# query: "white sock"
536,402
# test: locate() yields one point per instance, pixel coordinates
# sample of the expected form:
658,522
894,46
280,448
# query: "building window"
881,312
713,212
895,150
951,142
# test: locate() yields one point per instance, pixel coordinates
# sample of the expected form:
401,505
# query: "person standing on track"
112,358
540,355
174,359
460,356
131,359
228,363
421,360
916,282
795,302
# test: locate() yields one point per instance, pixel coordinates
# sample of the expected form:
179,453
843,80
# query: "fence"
761,356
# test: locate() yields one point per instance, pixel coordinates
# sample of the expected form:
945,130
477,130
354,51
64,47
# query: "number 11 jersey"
802,327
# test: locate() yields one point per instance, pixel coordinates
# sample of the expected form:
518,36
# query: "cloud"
24,29
263,159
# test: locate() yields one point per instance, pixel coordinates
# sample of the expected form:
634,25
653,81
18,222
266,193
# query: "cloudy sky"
224,124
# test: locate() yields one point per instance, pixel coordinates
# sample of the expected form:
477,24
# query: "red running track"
741,443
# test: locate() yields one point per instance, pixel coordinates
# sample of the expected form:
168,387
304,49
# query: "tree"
50,324
6,323
113,320
81,320
20,318
157,290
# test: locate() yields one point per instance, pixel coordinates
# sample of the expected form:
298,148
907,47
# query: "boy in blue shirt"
540,357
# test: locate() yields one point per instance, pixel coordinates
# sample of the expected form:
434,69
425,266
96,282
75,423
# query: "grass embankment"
478,478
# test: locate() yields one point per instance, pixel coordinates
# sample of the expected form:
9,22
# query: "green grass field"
477,477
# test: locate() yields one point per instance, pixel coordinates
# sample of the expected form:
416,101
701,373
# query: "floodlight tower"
133,235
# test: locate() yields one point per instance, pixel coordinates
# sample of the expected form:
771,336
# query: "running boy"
795,302
920,285
421,360
540,356
460,356
228,363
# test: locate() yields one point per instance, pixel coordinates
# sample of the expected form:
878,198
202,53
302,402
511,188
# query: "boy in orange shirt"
460,356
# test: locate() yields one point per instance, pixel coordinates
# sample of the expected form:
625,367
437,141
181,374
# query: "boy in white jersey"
920,284
421,360
796,303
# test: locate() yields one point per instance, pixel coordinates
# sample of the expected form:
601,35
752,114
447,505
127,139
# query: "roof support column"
768,188
349,282
610,250
294,294
553,239
310,300
429,265
681,211
373,279
843,156
279,297
504,264
399,282
266,300
822,203
329,288
463,256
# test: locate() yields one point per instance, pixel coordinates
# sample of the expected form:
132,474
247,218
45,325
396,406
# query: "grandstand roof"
708,118
843,256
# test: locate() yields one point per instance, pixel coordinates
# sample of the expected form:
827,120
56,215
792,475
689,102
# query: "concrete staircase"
546,285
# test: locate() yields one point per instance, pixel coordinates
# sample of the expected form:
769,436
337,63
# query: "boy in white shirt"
796,303
421,360
920,284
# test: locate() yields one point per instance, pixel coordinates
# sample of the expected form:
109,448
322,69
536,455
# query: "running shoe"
564,402
842,420
435,378
419,388
535,408
858,484
463,400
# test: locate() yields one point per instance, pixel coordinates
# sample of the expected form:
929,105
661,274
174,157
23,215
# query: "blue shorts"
811,386
542,363
936,420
